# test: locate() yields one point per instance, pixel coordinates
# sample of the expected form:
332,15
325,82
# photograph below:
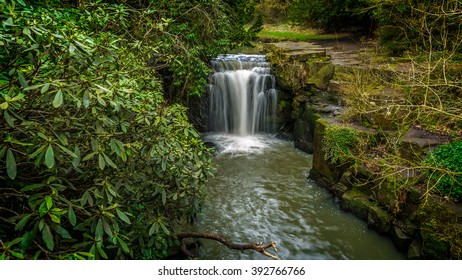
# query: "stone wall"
420,224
423,225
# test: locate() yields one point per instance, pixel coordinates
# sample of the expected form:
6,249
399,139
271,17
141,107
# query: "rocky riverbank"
400,204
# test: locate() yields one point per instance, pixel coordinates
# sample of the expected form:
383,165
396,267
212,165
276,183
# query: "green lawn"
295,36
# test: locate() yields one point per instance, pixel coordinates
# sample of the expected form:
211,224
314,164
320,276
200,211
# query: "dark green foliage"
94,162
337,15
446,170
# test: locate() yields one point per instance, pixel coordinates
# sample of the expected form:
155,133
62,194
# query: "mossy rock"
415,194
386,194
327,170
356,202
379,219
339,189
320,74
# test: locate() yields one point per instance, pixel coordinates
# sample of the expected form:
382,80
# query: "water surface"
260,193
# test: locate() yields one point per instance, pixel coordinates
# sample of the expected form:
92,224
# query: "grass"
292,33
292,36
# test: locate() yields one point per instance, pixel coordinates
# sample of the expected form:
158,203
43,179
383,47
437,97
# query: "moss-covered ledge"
424,226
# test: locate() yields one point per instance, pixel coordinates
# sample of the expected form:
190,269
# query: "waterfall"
243,96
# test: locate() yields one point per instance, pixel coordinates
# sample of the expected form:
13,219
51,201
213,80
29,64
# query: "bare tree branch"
259,247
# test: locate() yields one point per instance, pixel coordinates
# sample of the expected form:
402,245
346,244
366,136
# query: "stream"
260,191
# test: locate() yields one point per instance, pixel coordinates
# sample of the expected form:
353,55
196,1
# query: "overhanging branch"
259,247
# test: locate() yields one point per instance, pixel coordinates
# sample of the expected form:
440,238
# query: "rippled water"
260,193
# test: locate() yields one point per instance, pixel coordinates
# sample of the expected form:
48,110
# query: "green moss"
338,143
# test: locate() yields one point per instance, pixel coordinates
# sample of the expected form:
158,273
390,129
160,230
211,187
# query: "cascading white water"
243,96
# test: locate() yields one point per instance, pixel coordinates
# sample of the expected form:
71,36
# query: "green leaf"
32,187
10,164
2,151
50,157
154,228
55,218
166,231
45,88
164,197
4,105
123,216
9,119
123,245
89,156
22,80
84,198
38,151
48,237
101,252
101,162
28,238
58,100
92,252
86,99
67,151
109,161
101,101
62,232
49,202
76,161
33,87
71,216
43,209
17,255
99,230
8,22
107,228
20,225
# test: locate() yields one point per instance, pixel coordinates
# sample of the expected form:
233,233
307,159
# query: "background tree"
330,15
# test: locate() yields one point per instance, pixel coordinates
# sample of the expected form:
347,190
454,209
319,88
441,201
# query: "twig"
259,247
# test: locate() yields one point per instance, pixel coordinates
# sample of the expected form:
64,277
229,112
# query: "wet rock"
285,136
379,219
357,203
400,238
414,251
346,178
339,189
386,194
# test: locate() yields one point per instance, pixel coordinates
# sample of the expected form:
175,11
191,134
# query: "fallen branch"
259,247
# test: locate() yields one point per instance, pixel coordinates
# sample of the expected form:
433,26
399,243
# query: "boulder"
400,238
357,203
379,219
414,251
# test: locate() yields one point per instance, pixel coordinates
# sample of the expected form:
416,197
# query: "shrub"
417,25
445,172
93,162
